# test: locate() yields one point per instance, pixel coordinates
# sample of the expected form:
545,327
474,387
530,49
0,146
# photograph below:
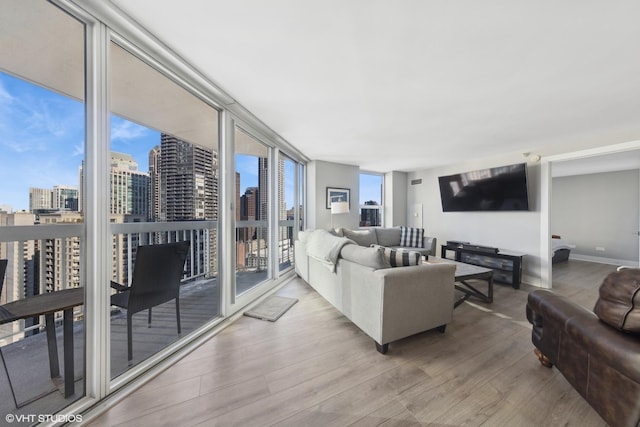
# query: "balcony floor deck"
27,360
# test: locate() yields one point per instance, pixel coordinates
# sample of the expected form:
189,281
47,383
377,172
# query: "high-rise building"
156,212
64,198
61,256
263,189
189,185
263,185
129,186
60,198
39,198
22,275
249,202
238,201
189,190
370,217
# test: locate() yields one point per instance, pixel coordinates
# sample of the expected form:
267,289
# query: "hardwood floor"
315,368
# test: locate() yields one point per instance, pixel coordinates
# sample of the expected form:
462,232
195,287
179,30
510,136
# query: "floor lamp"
338,208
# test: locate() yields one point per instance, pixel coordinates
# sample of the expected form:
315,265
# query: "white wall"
598,210
517,231
320,175
395,199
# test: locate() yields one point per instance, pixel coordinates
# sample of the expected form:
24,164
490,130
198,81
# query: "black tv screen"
496,189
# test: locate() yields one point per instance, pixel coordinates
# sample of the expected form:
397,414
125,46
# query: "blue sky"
370,188
42,143
41,140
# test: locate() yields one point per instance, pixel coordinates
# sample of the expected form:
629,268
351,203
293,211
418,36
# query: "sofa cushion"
399,257
370,257
619,301
303,236
388,236
361,237
336,232
411,237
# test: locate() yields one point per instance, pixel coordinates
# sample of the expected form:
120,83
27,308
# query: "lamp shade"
339,208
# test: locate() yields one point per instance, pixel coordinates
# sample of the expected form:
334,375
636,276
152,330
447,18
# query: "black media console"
506,265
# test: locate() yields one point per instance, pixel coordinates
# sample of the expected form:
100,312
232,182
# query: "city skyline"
44,132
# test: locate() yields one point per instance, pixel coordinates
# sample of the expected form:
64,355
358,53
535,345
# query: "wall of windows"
132,151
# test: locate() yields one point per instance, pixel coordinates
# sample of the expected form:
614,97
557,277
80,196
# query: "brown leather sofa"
598,353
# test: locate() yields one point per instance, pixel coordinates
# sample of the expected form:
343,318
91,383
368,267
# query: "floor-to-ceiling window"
42,226
252,176
164,188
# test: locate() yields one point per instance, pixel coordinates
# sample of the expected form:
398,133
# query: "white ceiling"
412,84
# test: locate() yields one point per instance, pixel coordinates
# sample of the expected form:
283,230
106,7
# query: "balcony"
24,344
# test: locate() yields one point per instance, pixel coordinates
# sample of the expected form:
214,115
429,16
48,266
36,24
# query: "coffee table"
466,272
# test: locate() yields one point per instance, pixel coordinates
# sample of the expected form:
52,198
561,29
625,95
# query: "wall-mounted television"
496,189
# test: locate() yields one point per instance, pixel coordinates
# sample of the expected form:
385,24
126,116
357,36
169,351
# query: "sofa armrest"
549,313
430,244
416,298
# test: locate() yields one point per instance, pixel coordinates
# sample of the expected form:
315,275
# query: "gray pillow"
370,257
361,237
388,236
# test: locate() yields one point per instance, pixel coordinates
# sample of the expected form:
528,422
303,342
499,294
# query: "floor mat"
271,308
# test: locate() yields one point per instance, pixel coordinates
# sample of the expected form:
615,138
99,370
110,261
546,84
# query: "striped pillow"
411,237
399,257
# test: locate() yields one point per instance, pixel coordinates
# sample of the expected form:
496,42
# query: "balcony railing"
43,266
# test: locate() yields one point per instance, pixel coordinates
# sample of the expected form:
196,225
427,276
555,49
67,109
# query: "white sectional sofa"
385,303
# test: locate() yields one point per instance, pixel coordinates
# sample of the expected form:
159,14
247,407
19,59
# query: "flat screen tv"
496,189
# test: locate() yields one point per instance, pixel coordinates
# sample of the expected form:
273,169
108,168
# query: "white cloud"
78,149
124,130
5,96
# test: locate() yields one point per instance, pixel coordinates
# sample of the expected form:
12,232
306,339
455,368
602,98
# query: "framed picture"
337,195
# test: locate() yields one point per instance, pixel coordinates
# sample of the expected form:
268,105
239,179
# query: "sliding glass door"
164,189
252,177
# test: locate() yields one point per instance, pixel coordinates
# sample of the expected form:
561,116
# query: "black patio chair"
3,270
156,279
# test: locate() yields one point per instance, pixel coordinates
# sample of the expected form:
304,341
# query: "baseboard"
603,260
532,281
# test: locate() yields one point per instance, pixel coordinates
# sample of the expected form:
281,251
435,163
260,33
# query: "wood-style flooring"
315,368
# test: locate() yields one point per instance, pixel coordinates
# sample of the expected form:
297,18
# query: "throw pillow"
399,257
619,301
361,237
411,237
370,257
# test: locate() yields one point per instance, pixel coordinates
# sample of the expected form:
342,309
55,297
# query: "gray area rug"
271,308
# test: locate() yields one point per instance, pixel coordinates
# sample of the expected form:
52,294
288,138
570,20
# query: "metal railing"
46,257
